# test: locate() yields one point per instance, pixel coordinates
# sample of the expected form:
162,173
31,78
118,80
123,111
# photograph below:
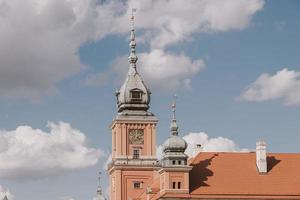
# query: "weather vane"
133,10
174,105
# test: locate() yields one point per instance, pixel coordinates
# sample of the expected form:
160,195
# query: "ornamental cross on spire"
174,126
174,106
132,57
133,10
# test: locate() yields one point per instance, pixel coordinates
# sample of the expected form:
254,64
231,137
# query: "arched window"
179,185
174,185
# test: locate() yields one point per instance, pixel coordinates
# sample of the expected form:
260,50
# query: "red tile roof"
236,174
229,175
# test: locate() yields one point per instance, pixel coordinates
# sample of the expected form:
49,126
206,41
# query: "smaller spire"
99,188
175,146
174,126
99,195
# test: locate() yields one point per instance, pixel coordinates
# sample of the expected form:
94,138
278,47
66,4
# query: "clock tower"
134,163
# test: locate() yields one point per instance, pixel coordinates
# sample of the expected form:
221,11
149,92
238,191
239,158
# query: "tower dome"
174,144
134,94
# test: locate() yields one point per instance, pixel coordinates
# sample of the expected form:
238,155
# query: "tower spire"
174,126
99,189
132,56
134,96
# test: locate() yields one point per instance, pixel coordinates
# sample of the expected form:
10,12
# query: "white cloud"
169,70
162,70
284,85
169,22
159,152
40,39
218,144
27,153
107,161
5,191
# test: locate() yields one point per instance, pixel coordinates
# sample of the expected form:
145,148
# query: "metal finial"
174,126
174,106
133,10
132,57
99,178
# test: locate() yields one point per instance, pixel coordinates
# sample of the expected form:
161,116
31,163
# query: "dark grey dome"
134,94
133,85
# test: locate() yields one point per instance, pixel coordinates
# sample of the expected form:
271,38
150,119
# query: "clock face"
136,136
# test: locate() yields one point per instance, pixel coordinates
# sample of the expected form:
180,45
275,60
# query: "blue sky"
236,77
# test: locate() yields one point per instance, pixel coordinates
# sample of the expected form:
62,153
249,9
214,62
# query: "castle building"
135,173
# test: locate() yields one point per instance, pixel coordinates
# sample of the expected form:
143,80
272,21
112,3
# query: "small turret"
174,172
175,146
